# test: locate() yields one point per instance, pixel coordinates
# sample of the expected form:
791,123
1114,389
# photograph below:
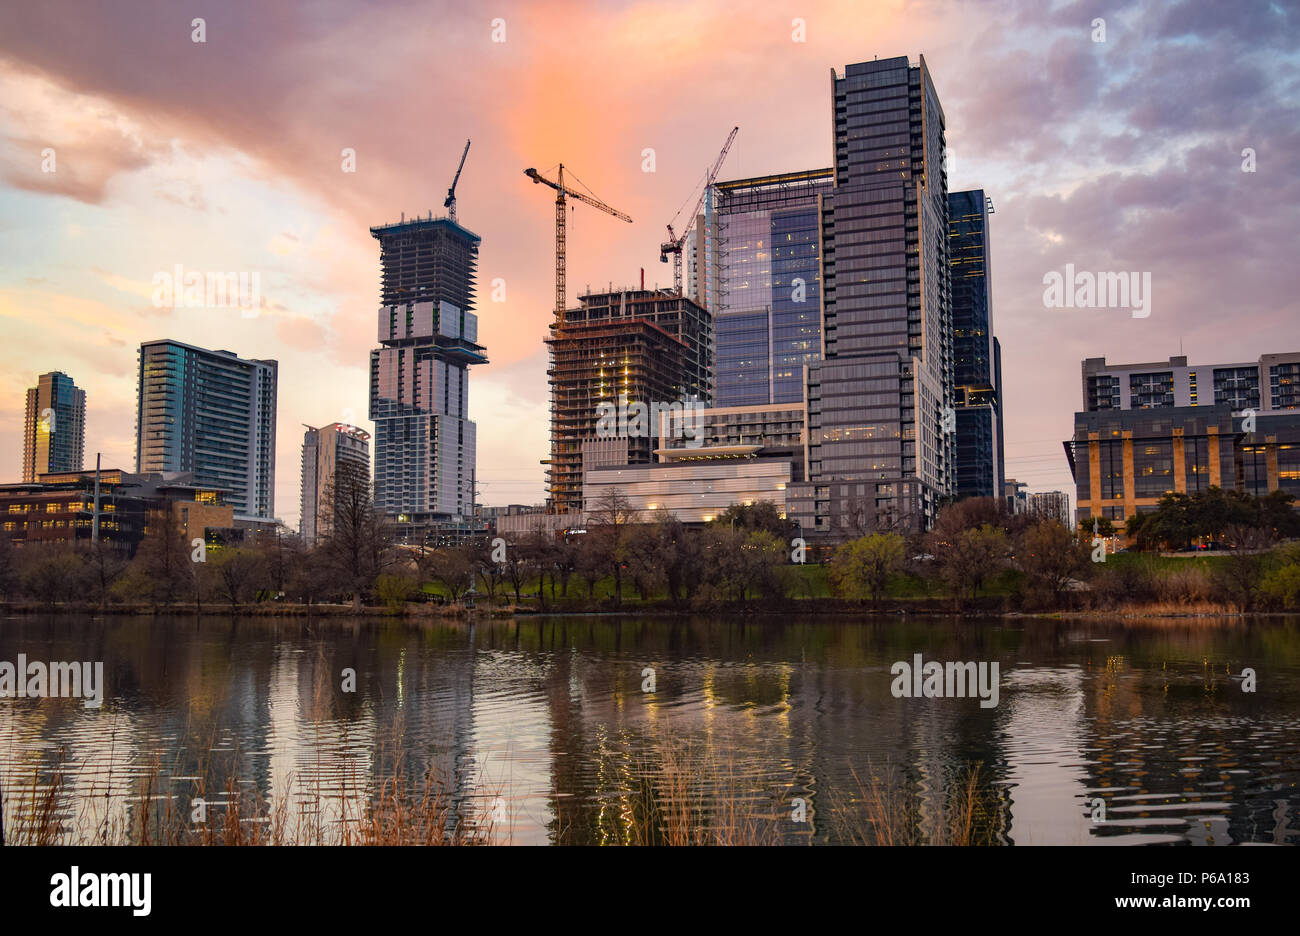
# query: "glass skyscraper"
424,442
763,284
977,380
54,431
878,455
211,413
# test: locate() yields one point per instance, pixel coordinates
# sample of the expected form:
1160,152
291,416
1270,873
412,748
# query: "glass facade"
764,285
211,413
977,380
694,491
876,402
54,430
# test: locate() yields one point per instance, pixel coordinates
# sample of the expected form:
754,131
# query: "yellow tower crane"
561,193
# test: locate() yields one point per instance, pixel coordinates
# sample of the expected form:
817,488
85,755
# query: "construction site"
635,345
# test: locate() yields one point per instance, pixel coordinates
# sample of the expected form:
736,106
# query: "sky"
1120,153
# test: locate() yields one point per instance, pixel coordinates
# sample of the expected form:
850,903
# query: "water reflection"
1103,735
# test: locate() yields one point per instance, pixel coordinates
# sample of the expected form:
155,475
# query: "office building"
424,442
1270,383
210,414
326,452
876,401
617,349
762,279
60,507
976,354
1125,460
54,427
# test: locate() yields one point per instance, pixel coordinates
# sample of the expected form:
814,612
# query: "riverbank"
988,607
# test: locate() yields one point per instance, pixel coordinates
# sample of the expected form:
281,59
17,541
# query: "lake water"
1103,733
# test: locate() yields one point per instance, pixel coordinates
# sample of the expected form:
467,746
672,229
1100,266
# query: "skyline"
262,191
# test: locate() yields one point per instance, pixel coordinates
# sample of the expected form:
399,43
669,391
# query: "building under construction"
424,444
648,346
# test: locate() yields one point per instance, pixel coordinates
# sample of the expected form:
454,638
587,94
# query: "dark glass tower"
977,391
877,448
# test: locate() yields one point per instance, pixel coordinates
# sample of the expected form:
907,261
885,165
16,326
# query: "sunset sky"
1122,155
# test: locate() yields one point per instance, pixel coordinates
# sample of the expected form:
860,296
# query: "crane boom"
450,202
675,241
562,193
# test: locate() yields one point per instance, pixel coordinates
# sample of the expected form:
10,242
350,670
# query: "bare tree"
360,542
238,572
610,523
452,567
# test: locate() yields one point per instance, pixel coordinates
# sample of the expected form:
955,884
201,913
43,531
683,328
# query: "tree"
394,590
1051,557
105,565
760,515
52,572
452,567
490,573
610,526
591,562
967,559
645,560
9,577
308,576
359,544
237,573
163,565
1283,585
1103,527
864,566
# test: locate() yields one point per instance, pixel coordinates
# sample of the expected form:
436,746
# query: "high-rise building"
54,430
211,413
762,280
877,399
617,349
424,445
325,452
1051,505
976,356
1268,384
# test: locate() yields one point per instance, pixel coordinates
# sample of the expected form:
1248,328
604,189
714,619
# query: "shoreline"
983,608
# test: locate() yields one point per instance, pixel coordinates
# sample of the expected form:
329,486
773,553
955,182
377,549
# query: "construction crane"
562,192
450,203
675,241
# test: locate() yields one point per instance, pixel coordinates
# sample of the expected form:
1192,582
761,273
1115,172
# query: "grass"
673,793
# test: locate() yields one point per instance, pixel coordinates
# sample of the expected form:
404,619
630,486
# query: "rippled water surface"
1103,734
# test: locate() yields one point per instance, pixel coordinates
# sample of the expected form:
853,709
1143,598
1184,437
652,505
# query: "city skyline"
1100,169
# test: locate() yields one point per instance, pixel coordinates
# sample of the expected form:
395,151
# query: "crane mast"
674,243
562,193
450,202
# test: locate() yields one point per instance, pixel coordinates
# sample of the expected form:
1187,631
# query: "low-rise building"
60,507
1125,461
